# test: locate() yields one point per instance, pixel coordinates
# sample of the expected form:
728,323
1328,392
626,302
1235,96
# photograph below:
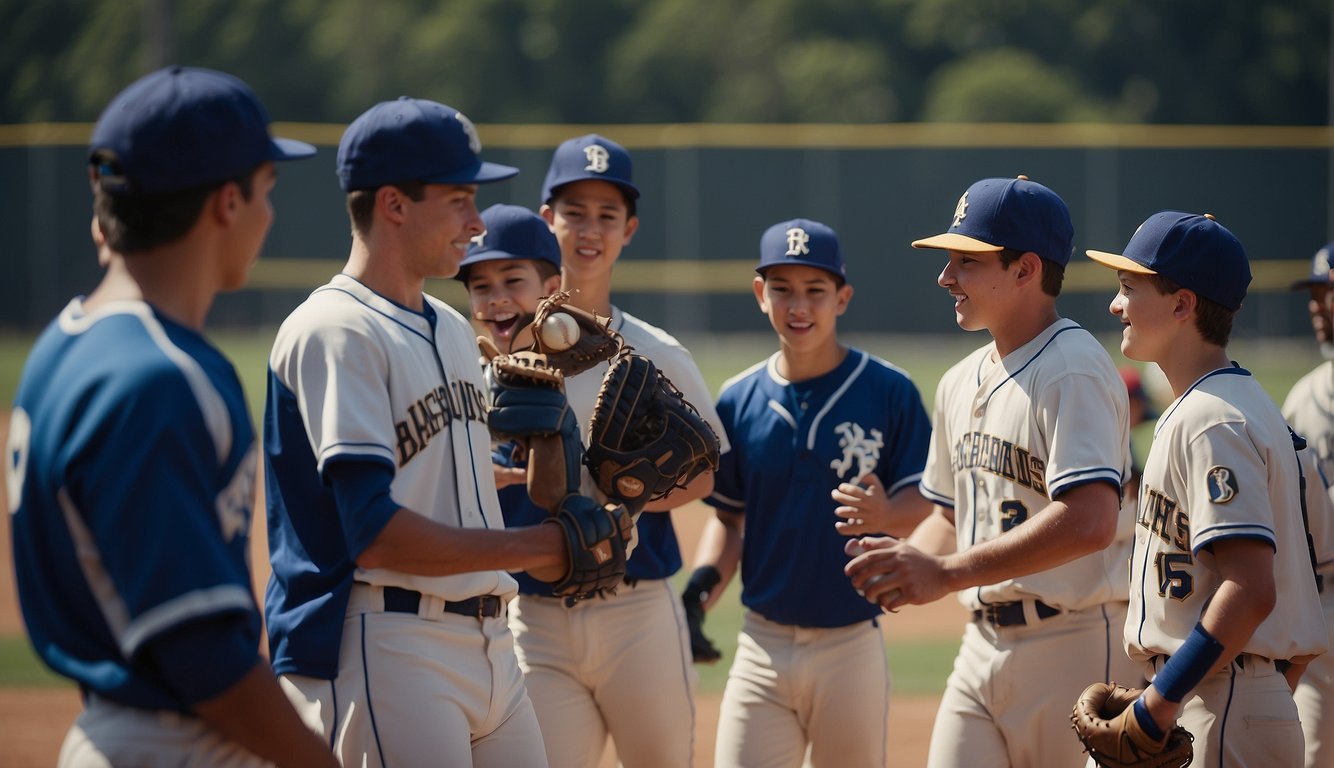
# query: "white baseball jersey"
1309,409
1010,436
353,374
1222,465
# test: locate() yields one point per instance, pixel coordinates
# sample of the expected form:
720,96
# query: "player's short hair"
134,223
1053,274
631,206
545,270
1212,320
361,203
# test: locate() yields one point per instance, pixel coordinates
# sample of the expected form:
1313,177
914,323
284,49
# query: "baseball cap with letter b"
1320,266
183,127
512,232
589,157
1193,251
411,139
995,214
801,241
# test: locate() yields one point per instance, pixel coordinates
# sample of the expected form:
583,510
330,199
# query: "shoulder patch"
1222,485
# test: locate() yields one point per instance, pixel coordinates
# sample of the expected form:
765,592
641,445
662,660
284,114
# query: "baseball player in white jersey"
386,609
619,666
1029,452
1309,409
1219,533
132,454
816,419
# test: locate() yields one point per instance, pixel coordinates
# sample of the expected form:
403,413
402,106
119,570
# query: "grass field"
918,665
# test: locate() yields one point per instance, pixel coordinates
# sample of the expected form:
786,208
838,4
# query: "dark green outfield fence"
710,190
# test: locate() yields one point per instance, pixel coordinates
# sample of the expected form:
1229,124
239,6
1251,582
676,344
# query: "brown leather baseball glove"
1104,720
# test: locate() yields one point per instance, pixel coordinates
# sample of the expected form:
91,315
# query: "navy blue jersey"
131,478
791,445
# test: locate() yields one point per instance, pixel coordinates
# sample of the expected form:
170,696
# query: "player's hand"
507,476
891,573
863,507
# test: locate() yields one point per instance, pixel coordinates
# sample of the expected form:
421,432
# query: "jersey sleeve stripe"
726,502
1209,535
1074,479
905,482
936,497
201,602
114,612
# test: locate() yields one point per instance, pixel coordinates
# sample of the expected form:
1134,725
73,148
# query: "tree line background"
1239,62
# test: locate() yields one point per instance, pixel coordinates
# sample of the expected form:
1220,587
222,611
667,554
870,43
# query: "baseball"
559,331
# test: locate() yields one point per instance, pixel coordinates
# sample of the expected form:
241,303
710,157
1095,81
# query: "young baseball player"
585,691
1219,532
386,609
1309,411
815,419
131,450
1029,451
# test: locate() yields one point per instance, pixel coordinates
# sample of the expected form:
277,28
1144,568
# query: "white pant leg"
1315,697
107,734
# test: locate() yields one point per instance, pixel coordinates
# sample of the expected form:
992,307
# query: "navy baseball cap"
182,127
1319,274
411,139
995,214
1193,251
801,241
512,232
589,157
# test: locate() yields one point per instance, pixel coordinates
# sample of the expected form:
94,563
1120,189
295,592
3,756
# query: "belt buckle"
990,614
483,603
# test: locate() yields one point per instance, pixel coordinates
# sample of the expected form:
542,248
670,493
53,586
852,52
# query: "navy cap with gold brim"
1192,250
995,214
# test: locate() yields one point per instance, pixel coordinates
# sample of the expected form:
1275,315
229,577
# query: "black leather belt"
398,600
1012,614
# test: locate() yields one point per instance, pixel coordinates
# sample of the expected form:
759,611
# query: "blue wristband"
1189,665
1145,720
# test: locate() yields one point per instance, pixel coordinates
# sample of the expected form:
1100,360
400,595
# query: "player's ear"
843,297
548,214
758,285
391,201
1184,304
631,227
551,285
1028,268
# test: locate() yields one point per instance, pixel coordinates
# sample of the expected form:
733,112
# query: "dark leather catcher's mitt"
645,438
1104,720
595,538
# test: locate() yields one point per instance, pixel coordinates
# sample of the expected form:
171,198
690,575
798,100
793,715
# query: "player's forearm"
936,534
695,490
719,546
410,543
255,714
907,510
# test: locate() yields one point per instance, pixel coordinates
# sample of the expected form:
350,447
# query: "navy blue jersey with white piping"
131,477
791,444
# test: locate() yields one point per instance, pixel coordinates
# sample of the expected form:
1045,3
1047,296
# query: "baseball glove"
645,439
1104,720
595,538
596,342
528,404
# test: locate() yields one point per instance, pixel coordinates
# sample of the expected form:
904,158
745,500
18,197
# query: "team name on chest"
1164,518
431,414
1000,457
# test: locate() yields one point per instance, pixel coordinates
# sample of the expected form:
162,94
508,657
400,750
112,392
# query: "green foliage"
632,61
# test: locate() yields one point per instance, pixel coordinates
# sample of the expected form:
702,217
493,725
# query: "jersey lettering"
16,456
1164,518
859,448
1000,457
1173,579
233,503
597,157
429,415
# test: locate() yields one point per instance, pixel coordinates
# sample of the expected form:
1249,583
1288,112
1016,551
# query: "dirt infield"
33,721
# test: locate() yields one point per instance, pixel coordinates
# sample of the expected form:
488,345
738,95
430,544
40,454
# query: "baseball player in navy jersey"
1219,533
1029,451
1309,409
636,682
814,420
386,608
131,451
